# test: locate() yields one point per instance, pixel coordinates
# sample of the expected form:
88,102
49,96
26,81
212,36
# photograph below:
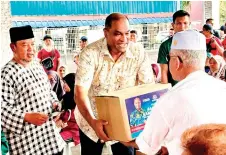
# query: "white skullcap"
189,40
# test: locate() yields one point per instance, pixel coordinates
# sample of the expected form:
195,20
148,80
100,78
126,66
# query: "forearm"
164,73
220,49
164,78
85,109
12,119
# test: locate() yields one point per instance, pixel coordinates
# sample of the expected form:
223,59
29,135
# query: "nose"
30,47
124,38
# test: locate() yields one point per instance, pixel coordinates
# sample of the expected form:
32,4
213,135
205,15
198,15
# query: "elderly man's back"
198,99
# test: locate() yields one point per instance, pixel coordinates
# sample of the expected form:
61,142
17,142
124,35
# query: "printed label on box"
139,108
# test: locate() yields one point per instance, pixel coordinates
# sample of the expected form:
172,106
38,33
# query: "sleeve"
40,55
57,54
12,118
219,42
86,69
153,135
162,54
145,72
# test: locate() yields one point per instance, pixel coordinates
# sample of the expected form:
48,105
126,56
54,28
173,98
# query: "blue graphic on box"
139,108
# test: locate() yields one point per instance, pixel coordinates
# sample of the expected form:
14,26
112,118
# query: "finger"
103,136
104,122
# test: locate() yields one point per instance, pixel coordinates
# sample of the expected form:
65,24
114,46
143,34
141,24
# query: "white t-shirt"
198,99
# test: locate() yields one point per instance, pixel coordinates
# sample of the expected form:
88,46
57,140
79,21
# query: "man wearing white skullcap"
189,103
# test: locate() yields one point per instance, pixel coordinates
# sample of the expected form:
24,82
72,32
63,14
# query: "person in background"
207,139
188,103
222,35
62,71
27,100
213,43
49,52
181,22
210,21
57,84
71,130
207,64
133,36
224,56
109,64
83,42
217,67
224,43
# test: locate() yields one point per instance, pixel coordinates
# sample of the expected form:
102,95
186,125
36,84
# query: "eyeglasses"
168,58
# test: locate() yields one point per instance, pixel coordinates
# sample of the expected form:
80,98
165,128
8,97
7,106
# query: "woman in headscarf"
71,130
56,84
62,71
217,67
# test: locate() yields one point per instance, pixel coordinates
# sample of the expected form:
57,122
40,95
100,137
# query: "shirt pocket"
126,80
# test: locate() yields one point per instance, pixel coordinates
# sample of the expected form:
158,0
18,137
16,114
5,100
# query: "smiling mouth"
123,45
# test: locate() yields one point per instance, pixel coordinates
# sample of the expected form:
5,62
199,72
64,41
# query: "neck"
209,36
188,71
114,53
48,48
21,62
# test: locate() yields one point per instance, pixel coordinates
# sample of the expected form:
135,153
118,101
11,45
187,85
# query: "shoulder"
167,42
95,46
9,70
166,45
136,49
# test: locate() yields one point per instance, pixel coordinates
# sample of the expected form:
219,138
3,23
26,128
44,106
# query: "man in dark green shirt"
181,22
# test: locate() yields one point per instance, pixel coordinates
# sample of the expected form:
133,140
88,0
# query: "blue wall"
89,7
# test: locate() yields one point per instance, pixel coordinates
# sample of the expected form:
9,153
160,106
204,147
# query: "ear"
13,47
178,65
172,25
105,32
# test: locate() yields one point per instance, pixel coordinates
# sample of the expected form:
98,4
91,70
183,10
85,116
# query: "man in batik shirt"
109,64
27,101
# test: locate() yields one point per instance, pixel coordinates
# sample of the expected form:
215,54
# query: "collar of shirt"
105,51
189,77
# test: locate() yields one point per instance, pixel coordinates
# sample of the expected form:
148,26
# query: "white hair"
192,58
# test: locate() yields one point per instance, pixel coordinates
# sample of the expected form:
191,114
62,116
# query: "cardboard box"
125,122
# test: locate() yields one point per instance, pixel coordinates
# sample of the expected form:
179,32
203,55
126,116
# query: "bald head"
114,17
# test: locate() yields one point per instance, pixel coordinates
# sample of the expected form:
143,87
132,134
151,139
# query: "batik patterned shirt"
98,72
27,89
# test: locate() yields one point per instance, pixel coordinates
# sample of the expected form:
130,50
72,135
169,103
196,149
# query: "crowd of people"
44,107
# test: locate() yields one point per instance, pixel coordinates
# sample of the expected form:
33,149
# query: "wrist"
92,122
26,117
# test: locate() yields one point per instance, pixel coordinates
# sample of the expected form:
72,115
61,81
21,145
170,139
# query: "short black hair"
112,17
180,13
209,19
133,31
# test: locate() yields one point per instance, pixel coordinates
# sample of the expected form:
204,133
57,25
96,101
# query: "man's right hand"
36,118
98,127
